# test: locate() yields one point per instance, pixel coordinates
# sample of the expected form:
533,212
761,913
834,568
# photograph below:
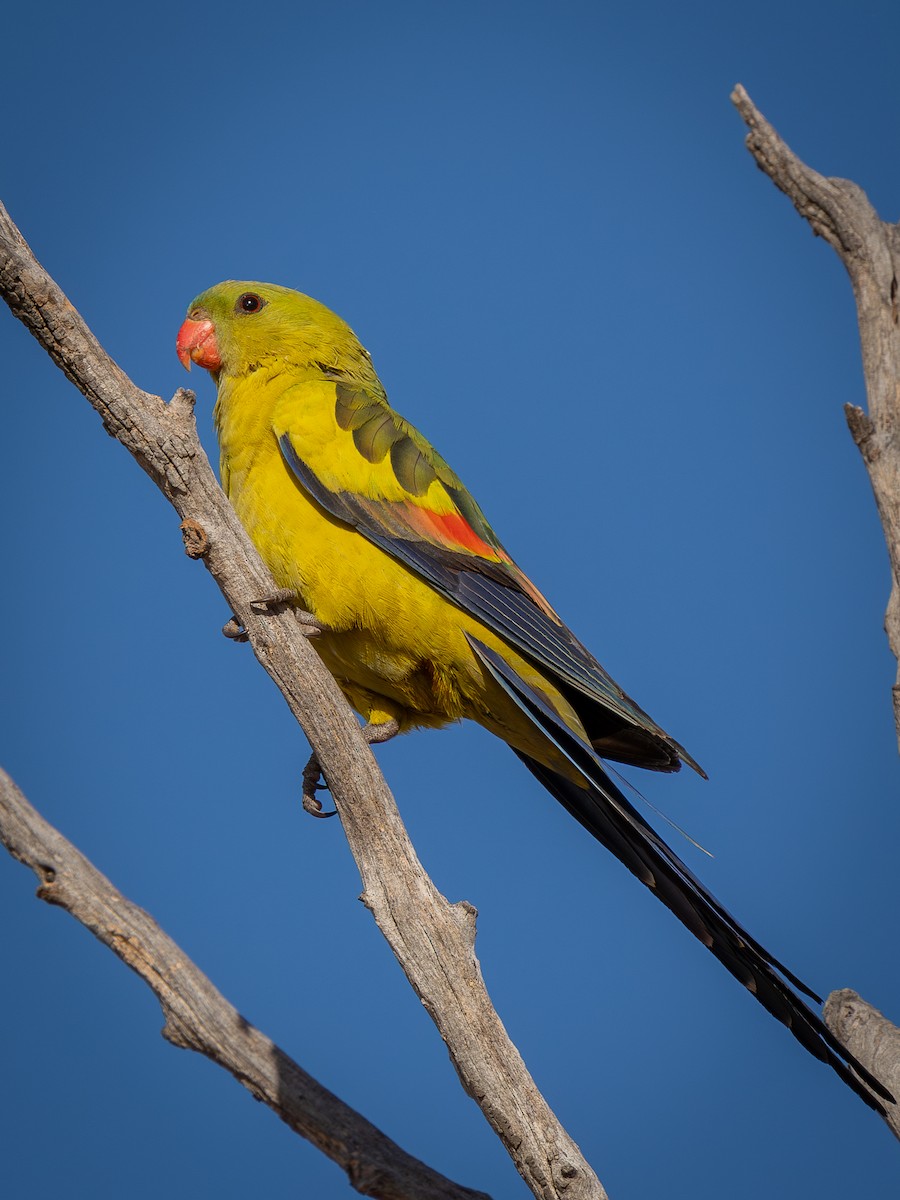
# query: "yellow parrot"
419,612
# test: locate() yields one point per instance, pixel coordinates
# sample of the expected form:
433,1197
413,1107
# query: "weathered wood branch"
840,212
870,1038
432,939
198,1017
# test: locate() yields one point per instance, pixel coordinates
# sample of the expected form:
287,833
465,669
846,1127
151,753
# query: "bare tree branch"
871,1038
840,212
199,1018
432,939
869,248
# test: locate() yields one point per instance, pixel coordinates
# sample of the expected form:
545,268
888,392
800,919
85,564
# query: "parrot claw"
310,626
314,808
279,597
312,774
313,780
382,732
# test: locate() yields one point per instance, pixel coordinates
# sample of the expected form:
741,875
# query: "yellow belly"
396,647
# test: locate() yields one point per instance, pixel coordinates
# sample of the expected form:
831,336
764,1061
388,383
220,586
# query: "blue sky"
543,223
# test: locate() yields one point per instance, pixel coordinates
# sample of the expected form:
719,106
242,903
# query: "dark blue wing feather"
489,591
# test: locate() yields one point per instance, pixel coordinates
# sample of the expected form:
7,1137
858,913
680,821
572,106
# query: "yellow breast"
397,647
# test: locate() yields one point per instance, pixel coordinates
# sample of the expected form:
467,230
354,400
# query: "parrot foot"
281,596
382,732
310,626
234,629
313,780
312,774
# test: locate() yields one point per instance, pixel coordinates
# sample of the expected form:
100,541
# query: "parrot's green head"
238,326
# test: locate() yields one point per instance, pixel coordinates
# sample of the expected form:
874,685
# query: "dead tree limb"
198,1017
839,211
869,1037
433,940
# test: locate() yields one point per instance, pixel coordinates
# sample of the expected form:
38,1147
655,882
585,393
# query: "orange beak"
196,342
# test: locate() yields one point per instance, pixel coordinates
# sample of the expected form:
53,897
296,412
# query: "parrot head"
238,326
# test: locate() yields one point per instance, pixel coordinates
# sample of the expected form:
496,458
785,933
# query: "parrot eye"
249,302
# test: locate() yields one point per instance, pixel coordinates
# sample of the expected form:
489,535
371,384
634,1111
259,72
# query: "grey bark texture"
870,1038
434,941
197,1017
839,211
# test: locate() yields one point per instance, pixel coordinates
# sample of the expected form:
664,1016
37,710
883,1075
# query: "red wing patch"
455,532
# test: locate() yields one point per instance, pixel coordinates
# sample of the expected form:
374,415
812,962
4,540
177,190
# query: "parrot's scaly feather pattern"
425,618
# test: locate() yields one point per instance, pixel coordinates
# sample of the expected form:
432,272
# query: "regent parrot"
424,618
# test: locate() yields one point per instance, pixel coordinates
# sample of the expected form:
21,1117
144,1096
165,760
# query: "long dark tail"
606,813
